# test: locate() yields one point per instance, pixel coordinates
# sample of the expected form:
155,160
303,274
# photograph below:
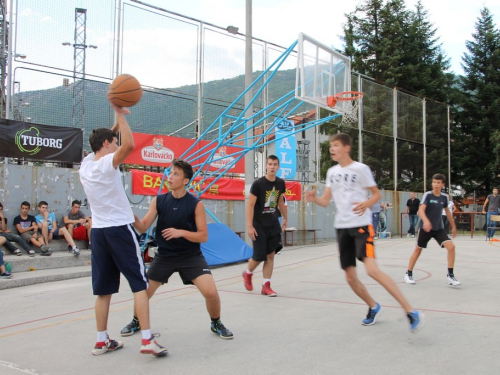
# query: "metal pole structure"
360,121
79,56
424,132
4,31
250,155
199,82
9,62
449,150
395,135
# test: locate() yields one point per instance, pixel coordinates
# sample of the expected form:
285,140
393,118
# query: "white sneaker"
152,347
409,279
375,238
412,236
408,235
75,251
450,280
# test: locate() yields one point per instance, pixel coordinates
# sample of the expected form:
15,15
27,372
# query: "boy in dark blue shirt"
431,226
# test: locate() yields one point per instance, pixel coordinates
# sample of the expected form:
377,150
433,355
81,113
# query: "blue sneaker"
218,328
417,320
371,316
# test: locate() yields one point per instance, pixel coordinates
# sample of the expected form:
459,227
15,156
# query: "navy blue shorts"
115,250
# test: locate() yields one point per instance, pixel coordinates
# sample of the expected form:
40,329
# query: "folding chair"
496,220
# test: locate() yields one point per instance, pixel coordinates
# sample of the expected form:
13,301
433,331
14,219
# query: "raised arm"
127,140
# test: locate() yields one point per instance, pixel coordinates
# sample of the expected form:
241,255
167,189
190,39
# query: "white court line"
16,367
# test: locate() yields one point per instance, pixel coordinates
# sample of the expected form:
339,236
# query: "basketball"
125,91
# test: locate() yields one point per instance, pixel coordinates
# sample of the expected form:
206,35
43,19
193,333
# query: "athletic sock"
102,336
248,272
410,273
450,271
215,320
146,334
265,281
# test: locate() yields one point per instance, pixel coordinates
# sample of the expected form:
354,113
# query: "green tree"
478,117
397,46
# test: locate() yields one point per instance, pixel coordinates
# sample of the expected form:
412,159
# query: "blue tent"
224,246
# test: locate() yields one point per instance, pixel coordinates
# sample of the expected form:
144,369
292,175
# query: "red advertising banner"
148,183
160,150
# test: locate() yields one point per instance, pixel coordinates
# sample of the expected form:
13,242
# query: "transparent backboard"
321,72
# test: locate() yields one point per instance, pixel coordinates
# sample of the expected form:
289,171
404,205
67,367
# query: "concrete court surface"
312,327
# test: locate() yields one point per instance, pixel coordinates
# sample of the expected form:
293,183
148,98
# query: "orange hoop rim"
354,95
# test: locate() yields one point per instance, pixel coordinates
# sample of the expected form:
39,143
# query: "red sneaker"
247,280
267,291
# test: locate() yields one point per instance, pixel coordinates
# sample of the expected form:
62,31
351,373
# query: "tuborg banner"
41,142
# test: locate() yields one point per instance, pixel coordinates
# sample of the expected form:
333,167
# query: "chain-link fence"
191,71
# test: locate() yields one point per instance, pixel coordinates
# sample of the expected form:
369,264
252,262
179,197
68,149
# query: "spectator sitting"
48,225
4,274
78,224
10,237
28,229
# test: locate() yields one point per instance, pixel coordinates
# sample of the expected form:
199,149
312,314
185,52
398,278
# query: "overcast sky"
280,21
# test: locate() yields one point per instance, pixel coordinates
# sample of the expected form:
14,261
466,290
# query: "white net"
350,111
349,105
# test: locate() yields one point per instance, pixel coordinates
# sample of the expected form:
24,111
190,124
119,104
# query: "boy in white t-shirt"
115,248
349,182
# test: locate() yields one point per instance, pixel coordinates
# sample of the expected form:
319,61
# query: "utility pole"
250,155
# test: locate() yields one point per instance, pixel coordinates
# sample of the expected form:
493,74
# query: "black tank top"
178,214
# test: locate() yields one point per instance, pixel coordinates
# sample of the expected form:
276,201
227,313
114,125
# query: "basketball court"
312,327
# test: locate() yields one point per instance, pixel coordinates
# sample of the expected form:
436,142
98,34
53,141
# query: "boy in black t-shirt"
263,224
27,227
180,229
431,226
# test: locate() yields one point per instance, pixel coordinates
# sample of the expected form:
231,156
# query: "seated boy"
48,225
78,224
27,228
10,237
4,274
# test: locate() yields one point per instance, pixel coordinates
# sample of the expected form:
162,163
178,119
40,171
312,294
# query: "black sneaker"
131,328
218,328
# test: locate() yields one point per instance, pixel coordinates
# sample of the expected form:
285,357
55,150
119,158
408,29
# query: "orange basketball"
125,91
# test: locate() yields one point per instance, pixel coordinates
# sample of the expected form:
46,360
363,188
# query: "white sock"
247,271
102,336
265,281
146,334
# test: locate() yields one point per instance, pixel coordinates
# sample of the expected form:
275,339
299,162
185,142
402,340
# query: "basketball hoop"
348,103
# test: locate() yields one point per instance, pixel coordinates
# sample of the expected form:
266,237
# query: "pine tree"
478,117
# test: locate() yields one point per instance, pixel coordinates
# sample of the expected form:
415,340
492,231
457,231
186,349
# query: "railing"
464,221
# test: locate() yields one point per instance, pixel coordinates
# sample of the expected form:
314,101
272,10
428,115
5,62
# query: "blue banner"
286,149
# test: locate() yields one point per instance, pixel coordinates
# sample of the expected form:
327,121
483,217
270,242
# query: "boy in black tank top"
180,229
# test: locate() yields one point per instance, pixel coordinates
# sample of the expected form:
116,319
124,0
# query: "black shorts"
189,268
355,243
115,250
268,241
424,237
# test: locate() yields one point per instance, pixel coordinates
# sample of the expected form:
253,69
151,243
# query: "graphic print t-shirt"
24,223
349,186
266,211
434,208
